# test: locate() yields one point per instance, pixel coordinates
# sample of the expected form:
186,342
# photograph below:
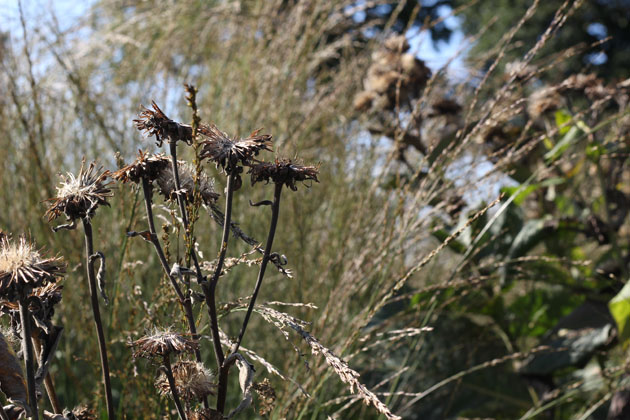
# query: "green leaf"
620,309
562,118
563,144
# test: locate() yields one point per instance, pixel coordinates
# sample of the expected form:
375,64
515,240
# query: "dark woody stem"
275,210
184,300
27,348
168,371
89,249
48,382
210,292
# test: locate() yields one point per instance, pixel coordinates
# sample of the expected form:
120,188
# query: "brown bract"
162,343
227,153
146,166
79,197
155,123
283,171
23,268
193,381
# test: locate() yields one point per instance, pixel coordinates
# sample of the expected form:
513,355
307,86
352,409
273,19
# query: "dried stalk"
27,348
168,371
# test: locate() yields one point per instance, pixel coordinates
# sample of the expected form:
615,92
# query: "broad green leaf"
620,309
562,121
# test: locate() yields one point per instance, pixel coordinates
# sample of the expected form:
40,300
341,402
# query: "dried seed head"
23,268
162,343
41,303
167,188
267,396
283,171
227,153
80,196
146,166
204,414
156,123
193,381
81,413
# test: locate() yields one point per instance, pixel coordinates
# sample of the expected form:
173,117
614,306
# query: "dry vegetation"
439,248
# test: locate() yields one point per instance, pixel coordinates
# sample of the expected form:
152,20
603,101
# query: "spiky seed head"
79,196
162,343
193,381
166,183
146,166
22,268
283,171
227,153
155,123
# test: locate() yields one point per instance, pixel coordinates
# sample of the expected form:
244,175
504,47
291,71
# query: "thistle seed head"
283,171
146,166
162,343
193,381
155,123
228,153
22,268
167,188
79,196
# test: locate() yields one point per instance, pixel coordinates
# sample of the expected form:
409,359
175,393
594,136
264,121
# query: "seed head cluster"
79,196
23,268
193,381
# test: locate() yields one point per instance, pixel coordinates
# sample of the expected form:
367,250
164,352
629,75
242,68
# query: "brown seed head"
156,123
80,196
204,414
23,268
166,183
146,166
162,343
193,381
283,171
227,153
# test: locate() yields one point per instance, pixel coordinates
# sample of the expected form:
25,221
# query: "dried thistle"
168,189
227,153
23,268
193,381
162,343
41,304
79,197
204,414
267,396
146,166
283,171
156,123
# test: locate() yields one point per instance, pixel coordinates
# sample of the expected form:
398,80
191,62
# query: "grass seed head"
79,196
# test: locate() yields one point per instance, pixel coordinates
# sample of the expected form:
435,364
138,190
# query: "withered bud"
23,268
166,183
162,343
79,197
156,123
146,166
228,153
192,380
283,171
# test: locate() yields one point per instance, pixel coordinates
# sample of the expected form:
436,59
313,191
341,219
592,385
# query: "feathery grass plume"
162,343
167,188
227,153
23,268
146,166
79,197
156,123
283,171
193,381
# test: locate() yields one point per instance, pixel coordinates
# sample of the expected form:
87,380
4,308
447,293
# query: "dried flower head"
226,152
41,303
283,171
156,123
193,381
266,395
80,196
22,268
167,188
162,343
204,414
146,166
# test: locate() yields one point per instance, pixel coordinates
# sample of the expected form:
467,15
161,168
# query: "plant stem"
275,211
89,249
48,383
210,293
3,413
168,370
185,301
27,349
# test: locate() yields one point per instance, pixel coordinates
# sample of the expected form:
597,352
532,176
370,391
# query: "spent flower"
155,123
228,152
146,166
162,343
193,381
283,171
